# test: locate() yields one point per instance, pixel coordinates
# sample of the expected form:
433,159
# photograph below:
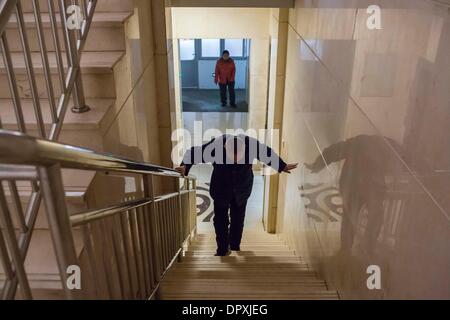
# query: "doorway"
198,58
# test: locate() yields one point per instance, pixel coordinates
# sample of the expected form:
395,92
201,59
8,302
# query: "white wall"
225,23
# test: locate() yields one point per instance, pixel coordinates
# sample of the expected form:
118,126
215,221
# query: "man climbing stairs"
266,268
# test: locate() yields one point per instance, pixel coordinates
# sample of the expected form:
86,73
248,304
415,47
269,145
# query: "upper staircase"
265,269
105,46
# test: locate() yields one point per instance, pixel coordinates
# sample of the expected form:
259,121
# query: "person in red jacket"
225,78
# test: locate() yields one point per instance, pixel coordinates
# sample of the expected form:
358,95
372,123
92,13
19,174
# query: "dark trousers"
229,234
231,91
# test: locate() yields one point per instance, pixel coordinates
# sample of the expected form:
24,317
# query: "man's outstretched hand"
181,170
290,167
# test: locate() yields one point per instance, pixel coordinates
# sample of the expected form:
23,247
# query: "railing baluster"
57,45
4,258
128,255
102,260
17,206
58,218
7,227
112,241
91,257
170,229
166,234
136,251
149,193
12,84
147,226
119,241
74,62
144,250
30,70
45,61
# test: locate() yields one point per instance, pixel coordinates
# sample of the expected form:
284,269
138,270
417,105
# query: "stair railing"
73,21
128,247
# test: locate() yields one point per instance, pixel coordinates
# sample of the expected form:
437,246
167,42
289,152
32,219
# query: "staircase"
104,48
265,269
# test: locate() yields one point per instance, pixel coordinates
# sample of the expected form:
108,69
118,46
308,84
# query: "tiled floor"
195,100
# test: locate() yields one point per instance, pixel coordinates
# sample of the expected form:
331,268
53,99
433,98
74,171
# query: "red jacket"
225,71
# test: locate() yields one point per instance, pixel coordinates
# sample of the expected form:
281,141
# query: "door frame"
198,57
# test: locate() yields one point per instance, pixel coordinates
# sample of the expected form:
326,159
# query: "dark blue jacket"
232,180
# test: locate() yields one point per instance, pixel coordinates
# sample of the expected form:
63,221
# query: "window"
211,48
235,46
187,49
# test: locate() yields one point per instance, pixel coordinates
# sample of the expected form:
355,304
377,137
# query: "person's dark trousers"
231,91
228,234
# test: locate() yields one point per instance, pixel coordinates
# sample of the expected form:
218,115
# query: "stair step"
237,259
102,6
106,32
41,259
83,130
244,247
73,121
44,294
248,234
240,265
242,253
266,269
243,288
249,281
101,20
244,241
97,69
235,273
91,62
234,296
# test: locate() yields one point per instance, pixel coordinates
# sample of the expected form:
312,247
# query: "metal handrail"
6,9
83,218
159,225
20,149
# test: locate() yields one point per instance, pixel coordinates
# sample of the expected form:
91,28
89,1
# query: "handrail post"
149,193
194,208
181,220
59,222
79,101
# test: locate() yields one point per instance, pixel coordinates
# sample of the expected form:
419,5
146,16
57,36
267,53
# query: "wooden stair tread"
101,20
266,269
102,6
322,295
88,120
91,62
242,253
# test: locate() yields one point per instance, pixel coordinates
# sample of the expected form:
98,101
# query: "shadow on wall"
385,217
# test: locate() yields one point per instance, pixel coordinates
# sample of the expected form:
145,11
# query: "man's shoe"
219,254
